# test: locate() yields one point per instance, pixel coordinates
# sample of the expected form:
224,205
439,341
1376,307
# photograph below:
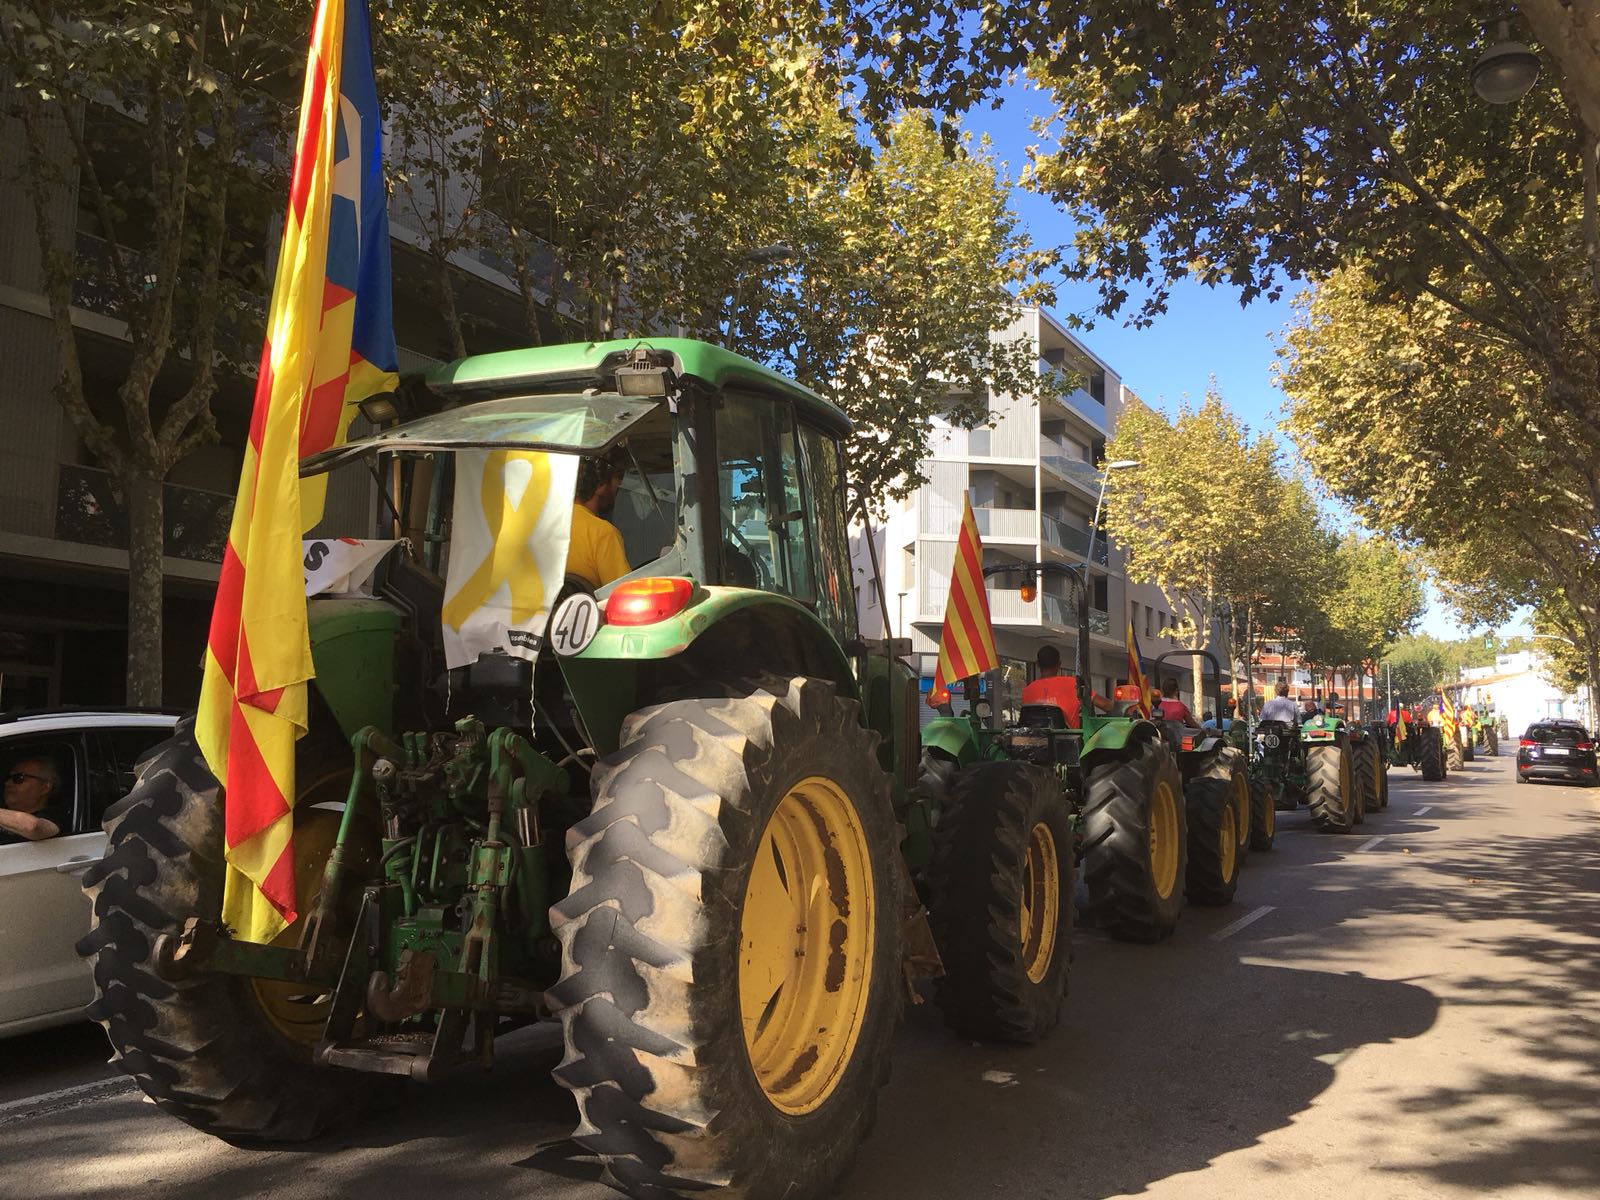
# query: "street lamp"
1121,464
1506,71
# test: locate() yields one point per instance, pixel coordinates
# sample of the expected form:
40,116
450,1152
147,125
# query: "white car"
43,911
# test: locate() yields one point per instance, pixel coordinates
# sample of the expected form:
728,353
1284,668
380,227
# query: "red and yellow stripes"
966,646
258,655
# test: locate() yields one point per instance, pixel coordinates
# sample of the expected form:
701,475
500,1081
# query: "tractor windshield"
575,424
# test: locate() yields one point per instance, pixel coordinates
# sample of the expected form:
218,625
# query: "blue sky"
1205,333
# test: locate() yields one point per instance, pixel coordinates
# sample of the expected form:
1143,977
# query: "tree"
1374,597
1437,432
1207,516
191,85
1416,666
902,281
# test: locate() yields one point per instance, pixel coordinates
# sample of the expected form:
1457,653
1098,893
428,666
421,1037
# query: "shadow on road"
1161,1083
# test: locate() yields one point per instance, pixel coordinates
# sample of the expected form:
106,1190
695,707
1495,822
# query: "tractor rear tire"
1135,844
1364,768
226,1054
1003,882
1263,816
1453,760
1491,743
1430,753
1215,803
1332,787
731,945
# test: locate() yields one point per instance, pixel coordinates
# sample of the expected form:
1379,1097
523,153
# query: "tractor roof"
575,366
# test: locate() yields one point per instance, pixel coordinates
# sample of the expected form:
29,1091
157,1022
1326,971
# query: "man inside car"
32,812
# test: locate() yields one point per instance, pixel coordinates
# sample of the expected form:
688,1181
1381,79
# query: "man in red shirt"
1052,687
1169,707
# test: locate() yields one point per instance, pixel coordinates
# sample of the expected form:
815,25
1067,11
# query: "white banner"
508,551
340,564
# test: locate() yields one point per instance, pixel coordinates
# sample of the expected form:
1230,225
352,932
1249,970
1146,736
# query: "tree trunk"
142,496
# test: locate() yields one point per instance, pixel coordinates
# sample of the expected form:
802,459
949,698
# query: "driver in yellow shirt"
595,554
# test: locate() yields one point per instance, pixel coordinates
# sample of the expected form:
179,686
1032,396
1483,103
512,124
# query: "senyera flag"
329,343
966,644
1136,671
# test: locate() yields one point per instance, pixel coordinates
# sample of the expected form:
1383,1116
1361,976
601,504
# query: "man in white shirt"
1280,707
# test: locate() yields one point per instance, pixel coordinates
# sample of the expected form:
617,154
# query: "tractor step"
411,1055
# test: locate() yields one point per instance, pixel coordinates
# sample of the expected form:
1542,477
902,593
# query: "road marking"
1370,843
1423,811
83,1093
1230,930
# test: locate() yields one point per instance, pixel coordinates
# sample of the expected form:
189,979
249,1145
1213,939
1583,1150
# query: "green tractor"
1333,767
1159,811
683,821
1422,749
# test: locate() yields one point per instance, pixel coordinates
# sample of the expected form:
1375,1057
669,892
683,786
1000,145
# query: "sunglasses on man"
19,776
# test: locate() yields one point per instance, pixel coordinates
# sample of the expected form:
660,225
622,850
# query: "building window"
1097,383
1149,616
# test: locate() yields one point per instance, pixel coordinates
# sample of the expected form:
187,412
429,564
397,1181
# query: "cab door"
43,913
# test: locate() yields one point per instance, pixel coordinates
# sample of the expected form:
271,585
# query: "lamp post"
1121,464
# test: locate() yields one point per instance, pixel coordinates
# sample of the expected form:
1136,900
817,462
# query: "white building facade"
1523,694
1032,477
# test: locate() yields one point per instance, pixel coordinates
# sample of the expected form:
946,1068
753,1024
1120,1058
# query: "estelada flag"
329,341
1136,670
966,644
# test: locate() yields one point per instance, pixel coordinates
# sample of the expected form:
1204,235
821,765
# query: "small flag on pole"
966,644
329,342
1136,671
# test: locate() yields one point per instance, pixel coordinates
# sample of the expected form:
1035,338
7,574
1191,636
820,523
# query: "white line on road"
1369,843
83,1093
1230,930
1423,811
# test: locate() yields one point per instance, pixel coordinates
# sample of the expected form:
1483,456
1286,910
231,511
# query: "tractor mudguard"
352,649
723,633
954,737
1116,736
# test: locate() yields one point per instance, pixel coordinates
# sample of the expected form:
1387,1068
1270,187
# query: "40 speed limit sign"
576,622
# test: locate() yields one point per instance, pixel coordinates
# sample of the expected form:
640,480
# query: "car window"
46,767
112,775
1544,734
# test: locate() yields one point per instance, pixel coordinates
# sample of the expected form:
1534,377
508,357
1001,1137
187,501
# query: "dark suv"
1556,750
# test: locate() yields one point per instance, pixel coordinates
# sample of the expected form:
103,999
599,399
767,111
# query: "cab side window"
41,778
835,591
764,532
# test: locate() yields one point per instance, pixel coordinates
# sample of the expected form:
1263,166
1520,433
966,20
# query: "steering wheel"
758,567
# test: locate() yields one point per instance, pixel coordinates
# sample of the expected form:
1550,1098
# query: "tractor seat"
1043,716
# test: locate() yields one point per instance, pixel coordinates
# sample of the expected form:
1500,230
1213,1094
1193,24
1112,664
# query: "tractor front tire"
1216,802
1332,786
731,945
1263,816
1430,753
1135,844
1003,879
228,1055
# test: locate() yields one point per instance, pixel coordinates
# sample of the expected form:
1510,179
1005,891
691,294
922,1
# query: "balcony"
1007,524
1073,539
1059,610
88,511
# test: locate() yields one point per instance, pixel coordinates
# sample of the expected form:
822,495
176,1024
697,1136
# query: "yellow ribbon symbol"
510,559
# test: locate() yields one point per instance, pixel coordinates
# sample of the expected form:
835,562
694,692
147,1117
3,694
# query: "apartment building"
1033,477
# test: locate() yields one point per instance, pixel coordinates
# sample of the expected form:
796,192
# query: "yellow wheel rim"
1377,778
301,1015
1271,818
1347,783
1164,839
806,945
1241,808
1041,902
1228,851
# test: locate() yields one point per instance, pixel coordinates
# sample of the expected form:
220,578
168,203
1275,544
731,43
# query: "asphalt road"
1410,1011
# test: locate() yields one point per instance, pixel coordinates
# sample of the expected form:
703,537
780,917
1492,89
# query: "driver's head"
600,480
1283,689
29,784
1169,689
1049,660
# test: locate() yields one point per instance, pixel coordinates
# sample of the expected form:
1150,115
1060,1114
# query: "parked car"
43,912
1556,750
